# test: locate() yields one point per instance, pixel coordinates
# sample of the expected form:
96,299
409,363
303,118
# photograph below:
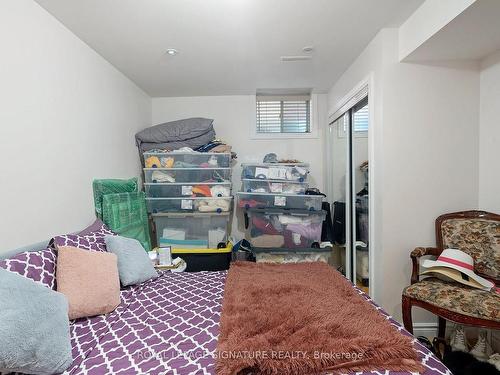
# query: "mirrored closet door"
348,190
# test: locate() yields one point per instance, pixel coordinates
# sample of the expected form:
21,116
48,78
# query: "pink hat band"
455,262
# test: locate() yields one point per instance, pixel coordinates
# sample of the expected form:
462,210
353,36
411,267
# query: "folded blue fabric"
34,327
134,265
173,242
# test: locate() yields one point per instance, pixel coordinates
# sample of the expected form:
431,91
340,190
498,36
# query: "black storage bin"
205,259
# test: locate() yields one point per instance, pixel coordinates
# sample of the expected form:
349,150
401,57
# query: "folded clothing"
213,205
220,191
264,226
152,162
268,240
201,191
167,162
159,176
295,240
311,231
222,148
215,145
250,203
289,219
183,164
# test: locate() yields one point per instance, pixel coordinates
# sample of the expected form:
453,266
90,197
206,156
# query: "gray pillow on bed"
134,265
34,327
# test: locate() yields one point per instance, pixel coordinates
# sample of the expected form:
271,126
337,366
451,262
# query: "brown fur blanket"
302,319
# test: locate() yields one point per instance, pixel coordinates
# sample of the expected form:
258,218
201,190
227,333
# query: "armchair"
478,234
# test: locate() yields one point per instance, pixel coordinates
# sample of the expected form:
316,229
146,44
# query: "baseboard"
425,329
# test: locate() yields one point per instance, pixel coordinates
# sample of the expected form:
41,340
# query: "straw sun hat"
456,265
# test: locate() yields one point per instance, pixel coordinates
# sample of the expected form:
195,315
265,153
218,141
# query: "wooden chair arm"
415,255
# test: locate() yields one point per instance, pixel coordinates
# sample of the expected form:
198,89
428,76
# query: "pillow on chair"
34,327
89,279
134,264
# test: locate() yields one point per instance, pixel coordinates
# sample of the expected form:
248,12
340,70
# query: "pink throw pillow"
89,279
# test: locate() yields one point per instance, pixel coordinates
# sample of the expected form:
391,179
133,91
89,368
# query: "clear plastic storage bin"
214,205
195,230
276,171
275,228
154,159
285,201
191,175
292,256
273,186
181,189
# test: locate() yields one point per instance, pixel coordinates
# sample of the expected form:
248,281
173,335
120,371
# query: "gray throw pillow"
34,327
134,265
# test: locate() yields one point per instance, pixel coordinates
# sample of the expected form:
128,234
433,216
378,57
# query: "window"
283,114
360,117
360,120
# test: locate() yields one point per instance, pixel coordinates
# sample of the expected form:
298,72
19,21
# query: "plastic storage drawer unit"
292,256
276,171
183,189
159,205
154,159
275,228
190,175
183,230
273,186
286,201
205,259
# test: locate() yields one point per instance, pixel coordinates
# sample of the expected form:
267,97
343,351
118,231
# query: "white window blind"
360,119
283,114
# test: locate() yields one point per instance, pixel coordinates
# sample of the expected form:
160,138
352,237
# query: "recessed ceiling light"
172,51
308,49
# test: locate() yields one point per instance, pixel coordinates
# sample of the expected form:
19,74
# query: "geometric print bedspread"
169,326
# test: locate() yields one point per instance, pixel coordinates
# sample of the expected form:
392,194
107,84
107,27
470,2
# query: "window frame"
313,124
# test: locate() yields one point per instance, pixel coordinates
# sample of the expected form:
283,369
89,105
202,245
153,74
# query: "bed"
170,326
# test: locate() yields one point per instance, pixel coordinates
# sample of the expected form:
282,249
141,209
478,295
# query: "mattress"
170,326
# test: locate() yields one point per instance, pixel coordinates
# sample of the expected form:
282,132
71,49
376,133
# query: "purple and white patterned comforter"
170,326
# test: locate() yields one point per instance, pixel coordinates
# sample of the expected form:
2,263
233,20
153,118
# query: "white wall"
424,147
234,122
489,133
67,116
426,21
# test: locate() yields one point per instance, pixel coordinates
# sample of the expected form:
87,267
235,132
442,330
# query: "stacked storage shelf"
283,223
188,195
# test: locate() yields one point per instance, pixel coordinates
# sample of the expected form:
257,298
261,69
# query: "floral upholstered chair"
478,234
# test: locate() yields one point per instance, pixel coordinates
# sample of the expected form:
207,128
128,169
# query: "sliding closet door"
360,193
349,190
339,193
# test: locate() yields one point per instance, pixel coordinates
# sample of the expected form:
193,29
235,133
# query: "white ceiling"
228,47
